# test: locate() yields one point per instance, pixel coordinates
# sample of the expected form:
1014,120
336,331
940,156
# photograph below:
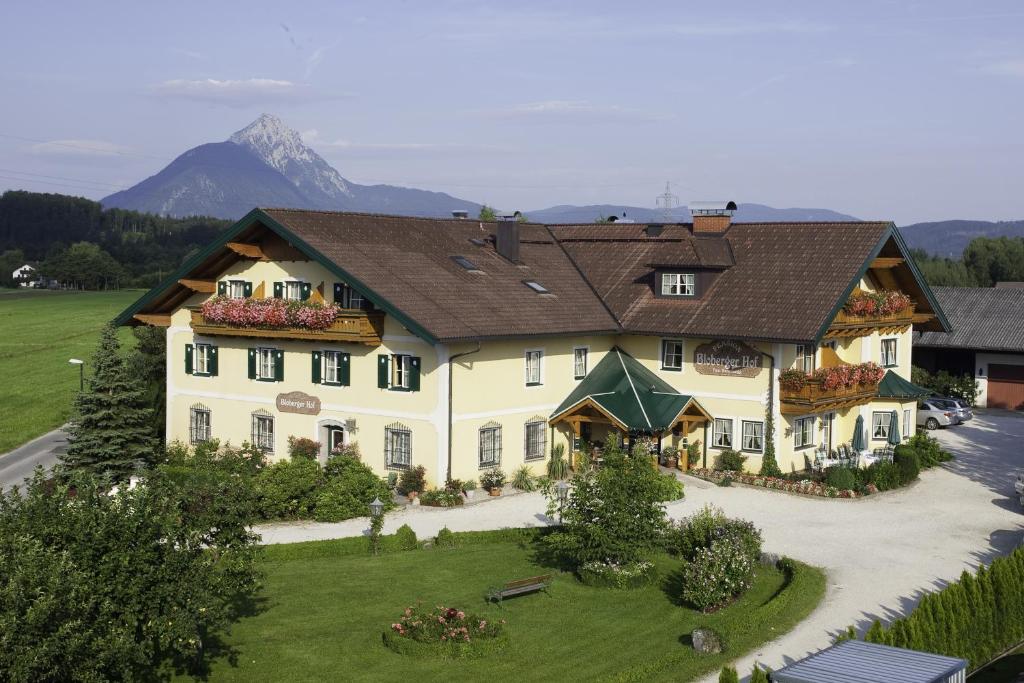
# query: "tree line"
985,261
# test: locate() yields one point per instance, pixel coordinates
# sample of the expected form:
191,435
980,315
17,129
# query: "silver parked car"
931,415
963,411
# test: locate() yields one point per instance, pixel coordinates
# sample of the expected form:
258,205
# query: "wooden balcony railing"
814,398
849,325
359,327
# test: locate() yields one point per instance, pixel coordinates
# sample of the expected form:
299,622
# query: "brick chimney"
506,242
711,218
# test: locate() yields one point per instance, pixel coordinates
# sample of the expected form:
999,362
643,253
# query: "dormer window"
677,284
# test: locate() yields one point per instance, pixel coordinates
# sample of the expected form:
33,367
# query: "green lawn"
325,605
41,330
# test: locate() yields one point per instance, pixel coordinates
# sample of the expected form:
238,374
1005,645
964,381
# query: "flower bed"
807,487
269,313
833,378
882,302
441,498
446,632
632,575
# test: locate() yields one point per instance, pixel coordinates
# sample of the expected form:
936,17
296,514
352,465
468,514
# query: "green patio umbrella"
858,434
894,429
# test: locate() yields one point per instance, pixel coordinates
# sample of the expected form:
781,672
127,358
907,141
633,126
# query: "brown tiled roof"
408,262
786,280
983,319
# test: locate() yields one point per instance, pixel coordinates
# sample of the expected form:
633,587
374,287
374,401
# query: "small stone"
706,641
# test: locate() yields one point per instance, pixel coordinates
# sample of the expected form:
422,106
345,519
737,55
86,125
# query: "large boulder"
706,641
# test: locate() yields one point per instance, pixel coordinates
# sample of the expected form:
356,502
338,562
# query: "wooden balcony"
847,325
357,327
813,398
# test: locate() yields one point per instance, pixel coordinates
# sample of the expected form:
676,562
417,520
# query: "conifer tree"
110,433
728,675
769,465
876,634
758,675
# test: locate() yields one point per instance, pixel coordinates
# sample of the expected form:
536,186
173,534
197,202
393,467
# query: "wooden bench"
519,587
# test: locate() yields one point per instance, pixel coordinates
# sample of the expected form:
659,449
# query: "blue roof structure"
854,661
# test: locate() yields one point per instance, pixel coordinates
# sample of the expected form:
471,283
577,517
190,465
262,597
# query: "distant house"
24,275
987,341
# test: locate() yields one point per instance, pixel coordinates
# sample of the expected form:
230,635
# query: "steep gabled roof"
983,318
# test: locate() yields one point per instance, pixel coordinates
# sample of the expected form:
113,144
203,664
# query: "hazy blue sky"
908,111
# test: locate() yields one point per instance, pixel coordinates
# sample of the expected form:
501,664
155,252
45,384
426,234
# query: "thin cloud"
572,111
1009,67
240,93
78,148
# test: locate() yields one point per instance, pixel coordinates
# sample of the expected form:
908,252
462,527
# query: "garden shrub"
446,632
841,478
558,466
493,478
405,538
717,573
442,498
907,463
349,488
703,528
730,461
693,454
758,675
445,538
631,575
728,675
884,475
299,447
522,479
286,489
349,449
929,450
669,488
412,479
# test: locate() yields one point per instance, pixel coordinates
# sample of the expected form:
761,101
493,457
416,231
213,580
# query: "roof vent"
460,214
654,229
507,241
711,217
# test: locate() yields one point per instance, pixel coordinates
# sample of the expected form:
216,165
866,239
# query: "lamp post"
376,524
562,493
81,372
376,508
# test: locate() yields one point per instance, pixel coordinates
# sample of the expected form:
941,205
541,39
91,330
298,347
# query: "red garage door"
1006,386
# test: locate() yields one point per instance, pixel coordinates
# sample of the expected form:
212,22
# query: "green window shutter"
278,290
338,292
211,361
188,359
383,371
222,288
278,366
316,367
307,290
414,374
252,363
345,374
247,289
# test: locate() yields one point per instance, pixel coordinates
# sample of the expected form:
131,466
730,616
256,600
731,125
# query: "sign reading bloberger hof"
298,402
727,359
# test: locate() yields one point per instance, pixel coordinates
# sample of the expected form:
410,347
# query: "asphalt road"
19,464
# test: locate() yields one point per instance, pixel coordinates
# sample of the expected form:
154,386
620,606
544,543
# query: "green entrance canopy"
630,396
894,386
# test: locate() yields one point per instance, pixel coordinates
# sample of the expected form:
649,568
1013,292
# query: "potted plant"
670,456
492,480
412,481
469,489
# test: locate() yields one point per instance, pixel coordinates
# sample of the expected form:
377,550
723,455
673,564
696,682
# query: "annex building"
460,345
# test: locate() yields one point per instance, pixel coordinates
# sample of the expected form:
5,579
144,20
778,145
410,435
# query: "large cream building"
461,344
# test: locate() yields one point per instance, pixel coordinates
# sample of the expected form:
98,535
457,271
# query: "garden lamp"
81,372
376,508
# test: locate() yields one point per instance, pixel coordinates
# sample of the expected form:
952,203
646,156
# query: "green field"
325,605
39,332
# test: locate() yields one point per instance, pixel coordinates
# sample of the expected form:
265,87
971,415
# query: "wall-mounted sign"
298,402
727,359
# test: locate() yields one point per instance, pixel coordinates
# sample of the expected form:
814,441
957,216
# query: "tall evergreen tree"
148,362
111,432
769,465
876,634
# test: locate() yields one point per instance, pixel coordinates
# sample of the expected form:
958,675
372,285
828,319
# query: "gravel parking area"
880,552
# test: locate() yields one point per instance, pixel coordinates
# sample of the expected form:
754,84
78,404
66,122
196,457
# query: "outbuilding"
854,661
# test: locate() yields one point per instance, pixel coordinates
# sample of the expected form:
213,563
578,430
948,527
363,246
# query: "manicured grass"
1006,670
41,330
325,605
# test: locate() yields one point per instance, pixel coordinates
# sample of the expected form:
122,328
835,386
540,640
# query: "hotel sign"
727,359
298,402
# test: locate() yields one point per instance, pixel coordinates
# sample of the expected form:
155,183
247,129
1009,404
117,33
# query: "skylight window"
536,286
478,241
466,263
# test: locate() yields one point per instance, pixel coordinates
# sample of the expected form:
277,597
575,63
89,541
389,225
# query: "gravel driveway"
880,553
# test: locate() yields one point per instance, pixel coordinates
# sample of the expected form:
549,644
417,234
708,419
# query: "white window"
805,358
490,445
722,437
236,289
397,446
579,362
293,291
401,369
906,424
533,370
826,430
348,297
199,424
332,367
888,353
201,359
803,432
753,436
535,439
677,284
263,431
335,438
880,425
266,363
672,354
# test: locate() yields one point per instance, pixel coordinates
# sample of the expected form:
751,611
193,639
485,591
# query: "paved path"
880,553
18,464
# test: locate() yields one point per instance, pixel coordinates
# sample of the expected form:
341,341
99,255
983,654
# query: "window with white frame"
722,436
266,363
677,284
236,289
803,432
347,297
805,358
201,359
293,290
827,422
490,445
906,424
397,446
533,367
332,367
199,424
579,362
752,436
880,422
263,431
672,354
401,370
888,353
534,439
